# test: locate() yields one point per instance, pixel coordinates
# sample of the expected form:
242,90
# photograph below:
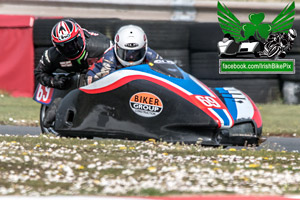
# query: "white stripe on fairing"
114,77
202,86
245,110
229,88
238,96
218,116
105,81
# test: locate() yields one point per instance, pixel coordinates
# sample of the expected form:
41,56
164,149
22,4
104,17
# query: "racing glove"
60,82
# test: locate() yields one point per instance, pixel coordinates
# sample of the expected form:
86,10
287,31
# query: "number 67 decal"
208,101
43,94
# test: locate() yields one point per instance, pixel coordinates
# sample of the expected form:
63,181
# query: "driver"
130,48
74,50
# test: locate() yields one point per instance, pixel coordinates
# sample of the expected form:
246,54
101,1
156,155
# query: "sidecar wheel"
45,130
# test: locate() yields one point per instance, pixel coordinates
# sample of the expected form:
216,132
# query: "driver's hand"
60,82
100,75
89,80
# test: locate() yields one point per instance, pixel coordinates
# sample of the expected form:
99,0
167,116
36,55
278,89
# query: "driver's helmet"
130,45
68,38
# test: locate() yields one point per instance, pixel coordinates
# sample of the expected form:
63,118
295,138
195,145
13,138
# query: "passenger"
130,48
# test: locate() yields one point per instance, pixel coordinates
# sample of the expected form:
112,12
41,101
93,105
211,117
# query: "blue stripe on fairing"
227,95
229,101
222,91
222,114
187,83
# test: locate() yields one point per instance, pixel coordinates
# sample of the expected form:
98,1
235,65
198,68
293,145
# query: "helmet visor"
71,49
131,55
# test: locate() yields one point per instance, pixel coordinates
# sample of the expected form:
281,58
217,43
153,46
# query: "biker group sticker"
146,104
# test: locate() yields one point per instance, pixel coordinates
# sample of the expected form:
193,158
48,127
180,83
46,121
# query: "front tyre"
44,129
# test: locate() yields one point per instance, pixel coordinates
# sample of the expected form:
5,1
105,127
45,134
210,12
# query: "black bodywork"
109,115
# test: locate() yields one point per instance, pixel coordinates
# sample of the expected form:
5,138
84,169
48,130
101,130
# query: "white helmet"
130,45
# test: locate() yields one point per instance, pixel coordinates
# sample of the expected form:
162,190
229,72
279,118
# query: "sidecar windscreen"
166,67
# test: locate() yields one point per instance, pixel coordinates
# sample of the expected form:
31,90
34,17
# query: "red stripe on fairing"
256,116
128,79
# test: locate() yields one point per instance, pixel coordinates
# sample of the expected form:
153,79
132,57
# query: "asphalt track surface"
274,143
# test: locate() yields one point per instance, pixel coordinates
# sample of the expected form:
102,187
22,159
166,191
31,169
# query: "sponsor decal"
163,62
150,64
66,64
131,45
146,104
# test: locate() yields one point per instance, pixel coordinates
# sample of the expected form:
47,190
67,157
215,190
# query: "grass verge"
280,119
18,111
46,165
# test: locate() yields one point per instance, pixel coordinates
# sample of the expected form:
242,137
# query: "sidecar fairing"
160,101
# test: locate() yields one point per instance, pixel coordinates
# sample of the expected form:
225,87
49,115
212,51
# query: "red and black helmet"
68,37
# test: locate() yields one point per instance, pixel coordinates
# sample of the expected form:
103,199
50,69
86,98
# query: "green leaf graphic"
284,20
230,24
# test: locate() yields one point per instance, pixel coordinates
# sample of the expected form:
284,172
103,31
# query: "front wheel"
44,129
